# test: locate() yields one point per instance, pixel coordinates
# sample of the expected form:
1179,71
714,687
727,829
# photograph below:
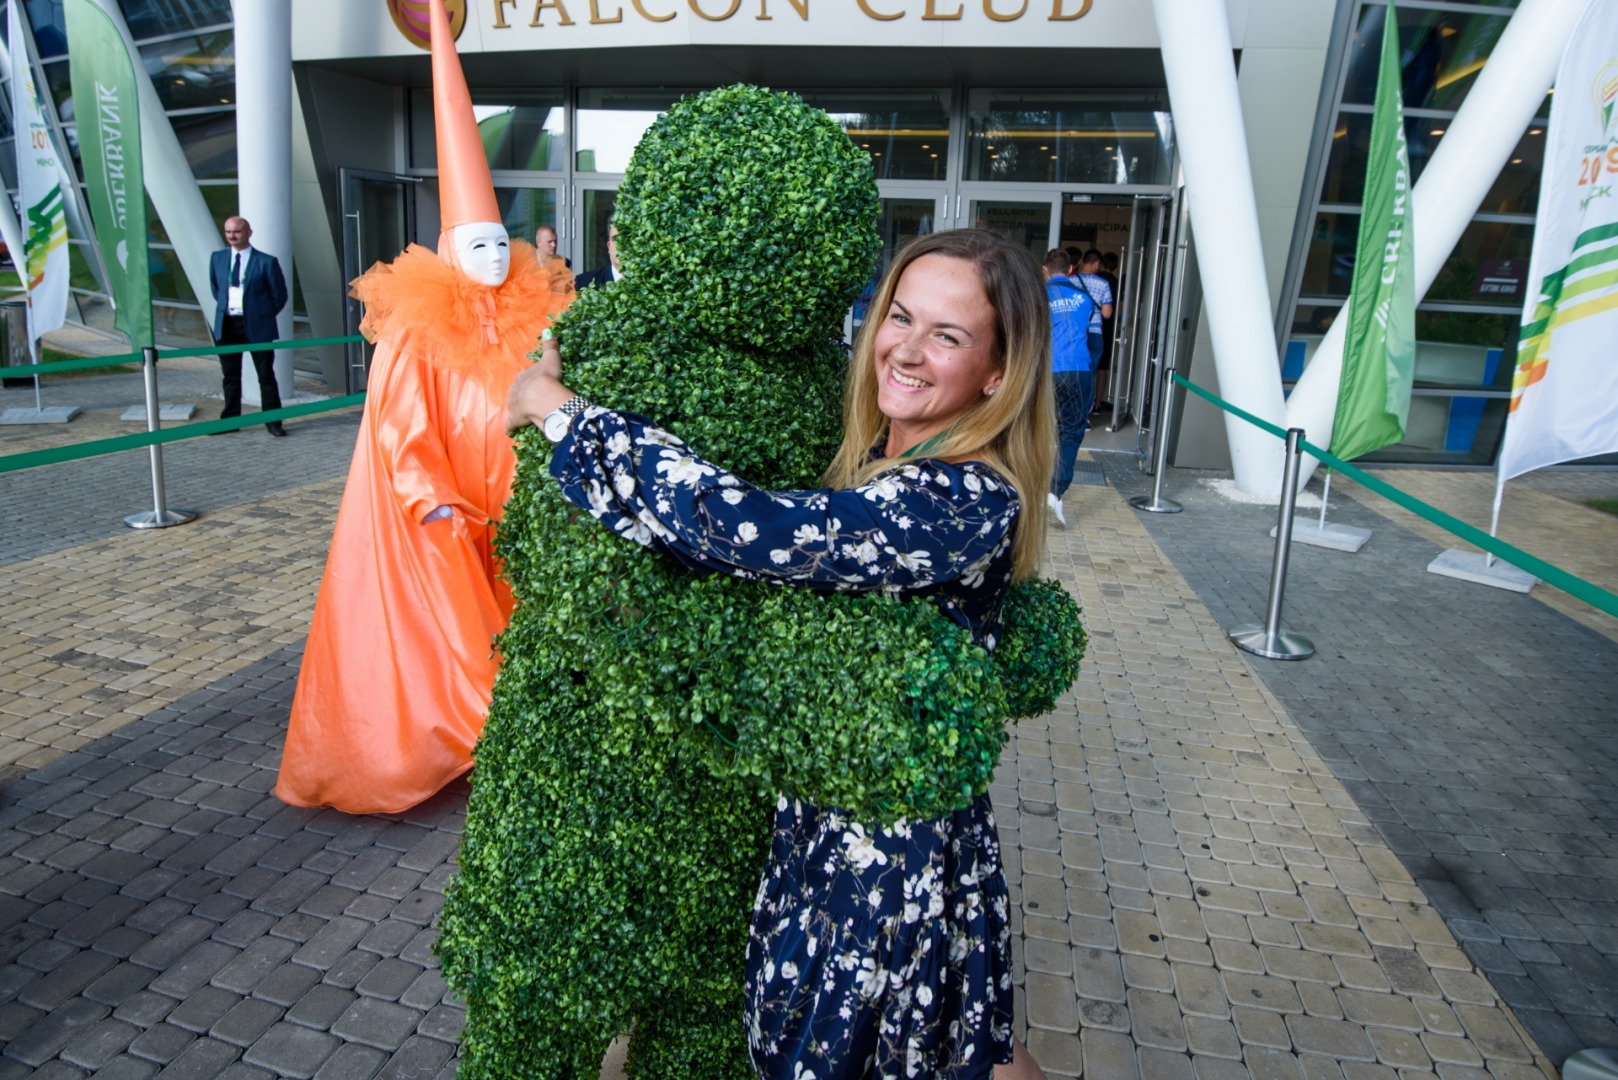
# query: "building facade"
1046,120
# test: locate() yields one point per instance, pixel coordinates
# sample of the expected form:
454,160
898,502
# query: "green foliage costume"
645,715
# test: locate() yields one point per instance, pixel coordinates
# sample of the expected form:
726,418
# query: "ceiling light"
1516,161
1437,131
1534,131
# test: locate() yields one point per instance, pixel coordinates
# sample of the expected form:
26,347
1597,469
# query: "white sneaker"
1056,508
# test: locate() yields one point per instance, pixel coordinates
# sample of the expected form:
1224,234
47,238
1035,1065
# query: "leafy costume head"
645,716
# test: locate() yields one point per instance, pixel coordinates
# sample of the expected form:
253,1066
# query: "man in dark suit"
607,274
249,290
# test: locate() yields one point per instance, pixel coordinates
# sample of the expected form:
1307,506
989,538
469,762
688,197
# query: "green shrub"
645,716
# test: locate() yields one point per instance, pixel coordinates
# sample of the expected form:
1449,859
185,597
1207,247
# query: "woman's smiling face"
936,350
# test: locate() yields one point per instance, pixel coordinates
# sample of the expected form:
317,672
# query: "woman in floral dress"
874,951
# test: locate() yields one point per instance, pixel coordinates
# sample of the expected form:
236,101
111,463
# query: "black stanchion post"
160,516
1269,640
1157,504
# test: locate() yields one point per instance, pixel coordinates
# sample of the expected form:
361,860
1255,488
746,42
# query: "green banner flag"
1379,349
106,111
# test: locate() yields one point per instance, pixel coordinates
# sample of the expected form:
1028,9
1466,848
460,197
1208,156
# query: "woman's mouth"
906,381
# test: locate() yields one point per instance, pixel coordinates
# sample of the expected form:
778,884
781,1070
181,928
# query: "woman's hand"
538,390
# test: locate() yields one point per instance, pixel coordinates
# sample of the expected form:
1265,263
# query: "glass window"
1441,53
168,278
8,163
1068,138
611,122
1487,266
1515,190
1445,429
524,210
209,142
60,81
905,132
599,205
901,221
1026,224
522,130
153,18
80,276
50,26
222,201
193,72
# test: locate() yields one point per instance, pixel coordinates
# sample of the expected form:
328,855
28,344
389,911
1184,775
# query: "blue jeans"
1075,394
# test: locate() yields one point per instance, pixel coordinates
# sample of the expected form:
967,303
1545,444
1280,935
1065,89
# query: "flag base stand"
176,412
1281,645
1336,537
148,519
1591,1065
52,414
1474,566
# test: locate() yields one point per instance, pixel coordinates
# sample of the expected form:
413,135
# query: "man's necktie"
236,270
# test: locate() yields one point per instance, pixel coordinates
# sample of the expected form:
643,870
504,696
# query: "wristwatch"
558,420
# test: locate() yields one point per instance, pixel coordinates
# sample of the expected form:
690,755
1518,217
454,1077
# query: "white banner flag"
42,264
1564,395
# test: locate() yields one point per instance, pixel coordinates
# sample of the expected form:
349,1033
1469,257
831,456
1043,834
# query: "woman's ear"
993,384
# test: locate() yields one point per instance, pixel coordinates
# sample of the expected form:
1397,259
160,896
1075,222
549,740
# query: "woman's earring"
990,391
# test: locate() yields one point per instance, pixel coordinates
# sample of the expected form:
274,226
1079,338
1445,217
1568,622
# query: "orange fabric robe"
400,663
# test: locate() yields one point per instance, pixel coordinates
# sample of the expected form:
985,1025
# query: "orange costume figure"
400,661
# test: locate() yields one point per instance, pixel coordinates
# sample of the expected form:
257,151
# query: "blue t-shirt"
1100,292
1072,314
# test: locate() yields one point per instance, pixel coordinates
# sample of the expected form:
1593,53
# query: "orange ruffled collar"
420,296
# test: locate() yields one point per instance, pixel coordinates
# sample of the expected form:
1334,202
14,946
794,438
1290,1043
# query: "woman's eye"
899,318
948,340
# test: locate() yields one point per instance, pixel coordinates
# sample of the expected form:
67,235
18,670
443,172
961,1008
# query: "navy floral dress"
874,952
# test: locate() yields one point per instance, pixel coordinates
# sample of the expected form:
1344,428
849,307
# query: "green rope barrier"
85,363
1555,576
94,448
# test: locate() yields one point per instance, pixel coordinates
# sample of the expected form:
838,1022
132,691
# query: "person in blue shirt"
1073,366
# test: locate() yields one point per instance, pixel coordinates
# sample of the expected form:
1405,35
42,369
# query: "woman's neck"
904,436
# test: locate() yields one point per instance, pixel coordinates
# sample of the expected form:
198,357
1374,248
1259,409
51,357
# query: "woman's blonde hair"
1014,431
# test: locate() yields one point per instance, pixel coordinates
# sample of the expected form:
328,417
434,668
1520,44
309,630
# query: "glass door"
524,208
379,219
1029,221
907,212
593,205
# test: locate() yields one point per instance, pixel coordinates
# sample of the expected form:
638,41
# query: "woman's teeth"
905,380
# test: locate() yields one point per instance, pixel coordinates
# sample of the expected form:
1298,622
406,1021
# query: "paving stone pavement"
97,635
161,914
1472,726
56,507
1195,893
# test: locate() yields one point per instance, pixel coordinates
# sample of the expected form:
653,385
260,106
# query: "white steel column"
1475,147
264,144
1201,71
170,182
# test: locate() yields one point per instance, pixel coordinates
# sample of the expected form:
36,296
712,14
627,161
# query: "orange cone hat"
465,191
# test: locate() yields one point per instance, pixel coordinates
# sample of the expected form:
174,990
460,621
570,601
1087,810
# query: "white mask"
483,250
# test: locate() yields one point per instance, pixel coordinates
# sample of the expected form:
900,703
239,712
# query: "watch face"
556,425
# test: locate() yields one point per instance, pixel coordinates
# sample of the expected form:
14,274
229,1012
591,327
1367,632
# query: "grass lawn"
1606,506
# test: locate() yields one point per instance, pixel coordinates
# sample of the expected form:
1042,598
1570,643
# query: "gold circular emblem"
410,16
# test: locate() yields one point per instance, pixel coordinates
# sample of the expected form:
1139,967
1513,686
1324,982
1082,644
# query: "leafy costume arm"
921,524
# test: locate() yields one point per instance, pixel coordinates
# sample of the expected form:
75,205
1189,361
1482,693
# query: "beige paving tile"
98,635
1258,926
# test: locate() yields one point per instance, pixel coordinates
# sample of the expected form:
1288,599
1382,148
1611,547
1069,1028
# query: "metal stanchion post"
1157,504
160,516
1269,640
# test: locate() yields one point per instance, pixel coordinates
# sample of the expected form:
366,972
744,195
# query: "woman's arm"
924,523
